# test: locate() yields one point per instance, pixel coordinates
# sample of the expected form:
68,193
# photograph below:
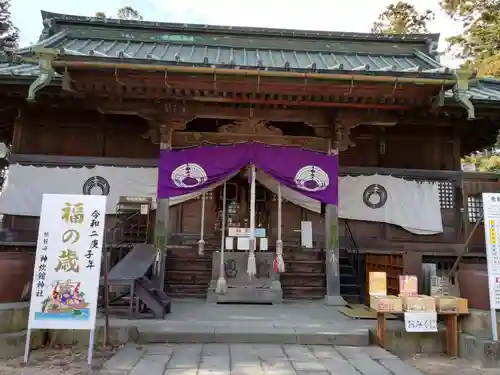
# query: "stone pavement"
254,359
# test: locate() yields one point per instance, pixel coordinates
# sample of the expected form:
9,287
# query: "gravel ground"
440,365
56,361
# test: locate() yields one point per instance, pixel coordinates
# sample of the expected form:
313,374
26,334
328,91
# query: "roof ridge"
280,32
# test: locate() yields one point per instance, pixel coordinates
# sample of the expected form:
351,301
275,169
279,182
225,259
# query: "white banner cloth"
409,204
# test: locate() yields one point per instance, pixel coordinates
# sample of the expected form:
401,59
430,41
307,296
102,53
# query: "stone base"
478,324
246,294
13,344
486,353
335,301
406,344
14,317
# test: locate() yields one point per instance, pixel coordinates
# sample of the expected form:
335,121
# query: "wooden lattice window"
474,207
208,195
446,194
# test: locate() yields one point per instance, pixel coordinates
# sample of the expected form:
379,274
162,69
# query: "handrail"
466,246
354,251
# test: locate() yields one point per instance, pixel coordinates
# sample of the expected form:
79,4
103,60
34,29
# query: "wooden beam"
200,110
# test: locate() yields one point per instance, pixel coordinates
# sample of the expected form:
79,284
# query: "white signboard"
68,262
421,322
491,208
491,212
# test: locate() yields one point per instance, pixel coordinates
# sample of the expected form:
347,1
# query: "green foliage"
9,34
100,15
479,43
402,18
484,163
128,13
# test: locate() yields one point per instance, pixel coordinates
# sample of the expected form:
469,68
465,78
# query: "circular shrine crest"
96,182
312,178
189,175
375,196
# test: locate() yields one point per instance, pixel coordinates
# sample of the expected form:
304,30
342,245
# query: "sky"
330,15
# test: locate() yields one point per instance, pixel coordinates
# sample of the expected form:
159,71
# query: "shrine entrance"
247,182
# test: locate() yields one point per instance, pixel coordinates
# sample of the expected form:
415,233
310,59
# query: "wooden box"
419,303
386,303
377,284
408,285
449,304
440,286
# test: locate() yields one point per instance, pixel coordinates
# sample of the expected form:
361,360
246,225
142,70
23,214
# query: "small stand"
451,322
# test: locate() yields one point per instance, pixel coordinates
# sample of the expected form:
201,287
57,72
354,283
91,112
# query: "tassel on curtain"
280,263
221,287
251,266
201,242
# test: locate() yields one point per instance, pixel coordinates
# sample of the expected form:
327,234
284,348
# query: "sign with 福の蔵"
68,262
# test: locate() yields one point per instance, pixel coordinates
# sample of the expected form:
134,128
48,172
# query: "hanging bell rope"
280,263
201,242
221,287
251,266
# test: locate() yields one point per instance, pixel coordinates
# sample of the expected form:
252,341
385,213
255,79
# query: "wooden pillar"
161,234
332,251
332,256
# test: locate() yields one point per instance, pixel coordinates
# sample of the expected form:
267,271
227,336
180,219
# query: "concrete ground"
254,359
440,365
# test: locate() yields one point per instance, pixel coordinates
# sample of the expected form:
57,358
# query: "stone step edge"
360,338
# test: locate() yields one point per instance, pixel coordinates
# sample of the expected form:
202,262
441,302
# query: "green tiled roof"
485,89
239,47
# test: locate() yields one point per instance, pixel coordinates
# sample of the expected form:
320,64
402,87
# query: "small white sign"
144,209
68,262
264,244
243,243
229,243
421,322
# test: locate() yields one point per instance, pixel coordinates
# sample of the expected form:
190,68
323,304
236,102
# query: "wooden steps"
188,274
304,276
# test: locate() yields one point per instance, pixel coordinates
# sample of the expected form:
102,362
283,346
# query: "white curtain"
411,205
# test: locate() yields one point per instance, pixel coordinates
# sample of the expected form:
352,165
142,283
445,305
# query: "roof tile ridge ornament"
45,56
462,76
241,30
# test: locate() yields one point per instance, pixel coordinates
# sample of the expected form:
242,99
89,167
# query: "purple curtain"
310,173
188,170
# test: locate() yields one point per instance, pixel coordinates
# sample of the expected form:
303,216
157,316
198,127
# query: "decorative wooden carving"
187,139
251,126
159,131
346,120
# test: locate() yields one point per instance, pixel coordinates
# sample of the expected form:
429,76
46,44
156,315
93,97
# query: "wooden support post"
332,256
381,329
332,253
162,218
451,321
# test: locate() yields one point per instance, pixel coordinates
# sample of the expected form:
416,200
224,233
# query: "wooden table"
451,322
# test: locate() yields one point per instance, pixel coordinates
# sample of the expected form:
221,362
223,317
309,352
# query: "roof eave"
93,62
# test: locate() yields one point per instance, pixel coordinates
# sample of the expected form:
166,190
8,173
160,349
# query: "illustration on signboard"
66,301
